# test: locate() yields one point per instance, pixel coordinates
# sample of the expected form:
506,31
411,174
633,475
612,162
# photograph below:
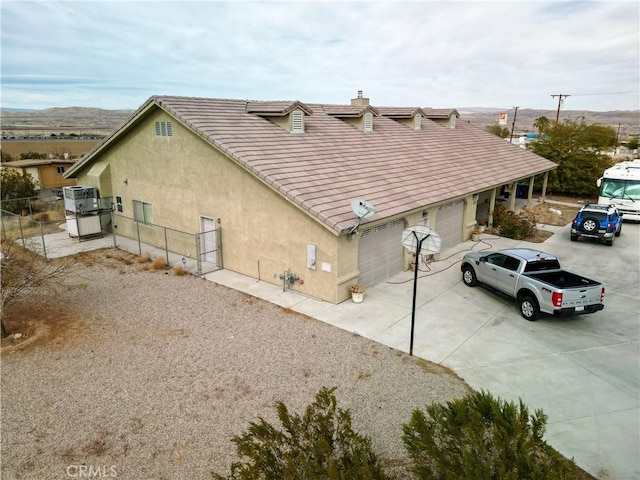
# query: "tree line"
578,148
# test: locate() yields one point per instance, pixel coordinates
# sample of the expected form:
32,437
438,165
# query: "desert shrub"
41,217
158,263
178,271
144,258
514,225
318,445
482,437
25,272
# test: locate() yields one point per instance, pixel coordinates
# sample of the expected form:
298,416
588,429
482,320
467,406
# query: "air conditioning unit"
81,199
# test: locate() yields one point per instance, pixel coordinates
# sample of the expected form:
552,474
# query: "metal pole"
44,247
24,244
415,289
199,269
113,227
166,245
139,244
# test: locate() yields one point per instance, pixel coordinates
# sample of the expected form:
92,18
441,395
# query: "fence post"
219,248
44,246
166,245
113,228
139,244
24,244
199,265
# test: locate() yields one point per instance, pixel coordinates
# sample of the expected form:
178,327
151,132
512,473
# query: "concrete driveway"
583,371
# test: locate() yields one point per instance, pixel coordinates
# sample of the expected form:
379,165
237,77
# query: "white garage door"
449,224
380,252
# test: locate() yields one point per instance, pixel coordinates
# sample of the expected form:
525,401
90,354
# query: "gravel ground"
147,375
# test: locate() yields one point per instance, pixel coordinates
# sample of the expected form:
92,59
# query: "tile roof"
396,168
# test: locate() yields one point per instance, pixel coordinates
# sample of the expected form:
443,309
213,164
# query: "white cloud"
459,54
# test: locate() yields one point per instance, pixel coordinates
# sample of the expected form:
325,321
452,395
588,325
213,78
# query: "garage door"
380,252
449,224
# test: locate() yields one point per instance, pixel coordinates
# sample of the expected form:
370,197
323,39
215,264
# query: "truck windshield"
629,189
542,265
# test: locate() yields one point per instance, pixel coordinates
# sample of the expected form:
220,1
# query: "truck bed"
562,279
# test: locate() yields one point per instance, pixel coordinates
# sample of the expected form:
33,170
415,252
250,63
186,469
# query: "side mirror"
599,182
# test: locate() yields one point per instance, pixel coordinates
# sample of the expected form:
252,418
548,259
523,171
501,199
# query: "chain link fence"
42,225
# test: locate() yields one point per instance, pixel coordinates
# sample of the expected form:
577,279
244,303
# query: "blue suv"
600,221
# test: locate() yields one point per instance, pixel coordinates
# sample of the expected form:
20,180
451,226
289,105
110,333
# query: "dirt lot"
57,148
134,368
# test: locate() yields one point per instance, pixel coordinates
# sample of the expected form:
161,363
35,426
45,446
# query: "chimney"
360,101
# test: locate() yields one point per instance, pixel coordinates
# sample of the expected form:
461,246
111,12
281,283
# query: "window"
511,263
164,129
368,122
297,122
496,259
119,204
60,169
142,212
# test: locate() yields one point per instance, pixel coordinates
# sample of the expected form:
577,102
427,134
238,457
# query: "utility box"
80,226
81,199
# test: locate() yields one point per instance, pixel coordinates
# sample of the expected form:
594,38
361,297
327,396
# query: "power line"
604,93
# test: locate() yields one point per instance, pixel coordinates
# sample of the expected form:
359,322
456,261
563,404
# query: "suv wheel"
610,241
590,225
619,231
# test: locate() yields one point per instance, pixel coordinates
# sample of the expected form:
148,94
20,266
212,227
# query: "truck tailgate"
579,297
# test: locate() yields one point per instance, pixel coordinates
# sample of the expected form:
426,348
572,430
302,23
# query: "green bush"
479,437
513,225
16,188
318,445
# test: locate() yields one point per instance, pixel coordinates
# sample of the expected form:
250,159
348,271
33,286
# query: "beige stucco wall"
183,178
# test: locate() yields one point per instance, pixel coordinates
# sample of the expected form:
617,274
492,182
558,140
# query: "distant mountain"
70,119
96,120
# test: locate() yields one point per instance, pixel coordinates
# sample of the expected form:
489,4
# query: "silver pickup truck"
535,280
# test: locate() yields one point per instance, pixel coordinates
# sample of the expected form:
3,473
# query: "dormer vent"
297,121
287,115
417,121
368,122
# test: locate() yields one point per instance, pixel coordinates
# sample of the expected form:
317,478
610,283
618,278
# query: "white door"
380,252
449,224
208,239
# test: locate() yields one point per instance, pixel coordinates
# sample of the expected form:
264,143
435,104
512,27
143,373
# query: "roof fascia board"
255,107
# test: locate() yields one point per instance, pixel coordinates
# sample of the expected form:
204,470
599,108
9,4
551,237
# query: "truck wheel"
529,308
590,225
469,277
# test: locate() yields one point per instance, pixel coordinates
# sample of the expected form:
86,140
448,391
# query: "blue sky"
116,54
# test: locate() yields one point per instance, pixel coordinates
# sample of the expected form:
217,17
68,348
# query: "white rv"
620,185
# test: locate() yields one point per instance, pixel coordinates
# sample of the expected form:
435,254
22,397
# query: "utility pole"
560,97
513,125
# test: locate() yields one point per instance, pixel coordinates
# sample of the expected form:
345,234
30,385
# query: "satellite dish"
422,235
362,209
